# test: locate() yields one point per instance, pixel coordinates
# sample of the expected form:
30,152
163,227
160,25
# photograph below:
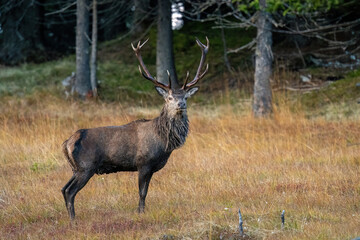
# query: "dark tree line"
21,35
40,30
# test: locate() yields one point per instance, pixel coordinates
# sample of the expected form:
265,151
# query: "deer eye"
170,98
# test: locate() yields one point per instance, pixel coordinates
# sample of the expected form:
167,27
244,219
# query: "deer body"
142,145
130,147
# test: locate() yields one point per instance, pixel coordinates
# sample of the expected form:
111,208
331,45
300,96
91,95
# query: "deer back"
116,148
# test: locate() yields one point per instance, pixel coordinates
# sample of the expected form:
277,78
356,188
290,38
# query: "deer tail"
68,155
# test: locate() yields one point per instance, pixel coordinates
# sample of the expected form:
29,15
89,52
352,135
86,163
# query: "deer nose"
182,105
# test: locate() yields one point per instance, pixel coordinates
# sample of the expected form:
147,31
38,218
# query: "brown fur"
68,148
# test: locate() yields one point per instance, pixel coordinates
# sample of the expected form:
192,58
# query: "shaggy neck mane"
173,131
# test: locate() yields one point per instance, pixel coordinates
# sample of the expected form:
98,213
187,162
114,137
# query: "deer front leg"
144,180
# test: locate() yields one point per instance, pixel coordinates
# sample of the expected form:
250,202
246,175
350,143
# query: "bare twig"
61,10
248,45
300,53
320,28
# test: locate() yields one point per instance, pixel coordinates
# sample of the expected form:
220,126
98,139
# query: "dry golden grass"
230,161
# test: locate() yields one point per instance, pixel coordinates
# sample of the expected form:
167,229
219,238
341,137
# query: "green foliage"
341,94
28,78
298,7
122,82
37,167
303,6
187,53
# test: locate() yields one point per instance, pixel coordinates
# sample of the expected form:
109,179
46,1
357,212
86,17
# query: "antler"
147,74
199,75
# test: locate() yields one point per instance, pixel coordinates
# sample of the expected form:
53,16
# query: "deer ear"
191,91
162,92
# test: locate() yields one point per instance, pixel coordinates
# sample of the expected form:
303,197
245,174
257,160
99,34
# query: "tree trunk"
82,82
93,51
164,45
263,64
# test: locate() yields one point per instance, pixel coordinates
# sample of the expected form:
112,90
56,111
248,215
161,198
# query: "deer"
142,145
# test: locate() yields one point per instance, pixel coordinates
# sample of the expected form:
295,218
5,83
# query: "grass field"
309,167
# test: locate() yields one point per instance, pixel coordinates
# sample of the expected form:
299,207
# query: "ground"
309,167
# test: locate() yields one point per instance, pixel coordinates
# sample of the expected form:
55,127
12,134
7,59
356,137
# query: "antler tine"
199,75
169,85
144,75
186,80
203,45
143,43
203,74
147,74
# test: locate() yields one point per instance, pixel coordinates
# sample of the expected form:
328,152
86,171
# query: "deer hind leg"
144,181
78,181
65,187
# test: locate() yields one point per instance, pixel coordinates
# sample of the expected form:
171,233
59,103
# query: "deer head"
175,98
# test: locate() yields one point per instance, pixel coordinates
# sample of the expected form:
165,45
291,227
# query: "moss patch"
342,91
